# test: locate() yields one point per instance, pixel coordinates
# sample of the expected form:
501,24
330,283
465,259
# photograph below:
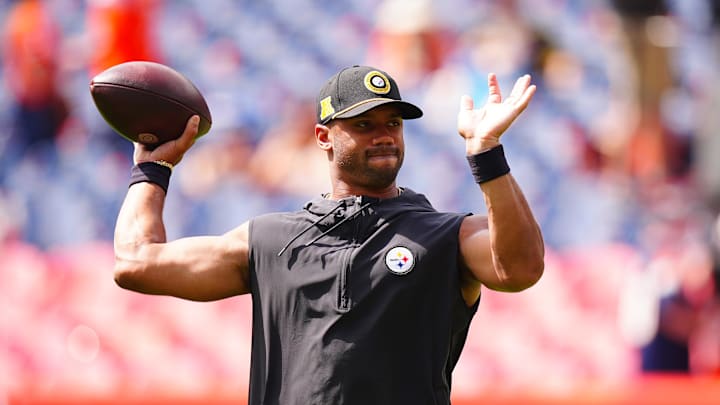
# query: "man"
366,294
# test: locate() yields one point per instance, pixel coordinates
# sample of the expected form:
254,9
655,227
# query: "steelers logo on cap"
399,260
377,82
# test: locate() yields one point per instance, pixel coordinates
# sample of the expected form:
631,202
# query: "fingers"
521,84
466,103
526,97
171,151
494,94
520,95
191,130
186,140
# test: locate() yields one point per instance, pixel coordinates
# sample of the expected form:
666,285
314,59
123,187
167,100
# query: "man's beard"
362,170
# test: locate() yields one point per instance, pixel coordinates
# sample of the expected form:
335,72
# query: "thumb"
174,150
466,103
191,130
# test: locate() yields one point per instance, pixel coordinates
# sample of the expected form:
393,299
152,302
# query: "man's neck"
339,193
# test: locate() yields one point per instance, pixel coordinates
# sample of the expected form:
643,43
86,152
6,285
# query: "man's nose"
384,136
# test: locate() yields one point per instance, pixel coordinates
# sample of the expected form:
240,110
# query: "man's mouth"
382,152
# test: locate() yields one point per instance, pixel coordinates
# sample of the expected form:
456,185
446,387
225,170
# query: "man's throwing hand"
170,151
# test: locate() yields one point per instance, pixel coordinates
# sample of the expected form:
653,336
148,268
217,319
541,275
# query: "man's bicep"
476,252
202,268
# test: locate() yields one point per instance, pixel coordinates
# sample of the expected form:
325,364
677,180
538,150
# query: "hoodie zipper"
343,297
343,283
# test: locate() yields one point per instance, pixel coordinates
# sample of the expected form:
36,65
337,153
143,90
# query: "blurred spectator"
707,146
407,40
12,217
31,41
681,333
287,159
120,31
220,157
500,43
652,152
705,344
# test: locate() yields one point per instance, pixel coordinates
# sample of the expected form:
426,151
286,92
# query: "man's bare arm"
505,250
197,268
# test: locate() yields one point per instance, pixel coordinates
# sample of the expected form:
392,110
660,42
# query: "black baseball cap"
357,89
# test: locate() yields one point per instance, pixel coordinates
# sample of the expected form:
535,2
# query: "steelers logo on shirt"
399,260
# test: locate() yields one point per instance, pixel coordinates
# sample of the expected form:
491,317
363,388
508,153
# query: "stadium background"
616,154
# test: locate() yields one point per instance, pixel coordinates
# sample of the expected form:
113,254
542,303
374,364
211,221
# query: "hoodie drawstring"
335,208
349,217
339,205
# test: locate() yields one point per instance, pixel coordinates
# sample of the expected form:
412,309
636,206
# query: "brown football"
148,102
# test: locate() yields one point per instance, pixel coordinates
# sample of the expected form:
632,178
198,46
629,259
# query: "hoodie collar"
321,206
348,208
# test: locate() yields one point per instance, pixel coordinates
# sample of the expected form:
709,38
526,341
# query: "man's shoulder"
285,218
420,204
277,217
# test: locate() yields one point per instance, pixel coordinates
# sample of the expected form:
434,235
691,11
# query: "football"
148,102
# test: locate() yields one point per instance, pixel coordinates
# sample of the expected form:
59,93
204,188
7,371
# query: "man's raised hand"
483,127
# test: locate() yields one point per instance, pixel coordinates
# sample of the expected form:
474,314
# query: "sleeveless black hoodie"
356,301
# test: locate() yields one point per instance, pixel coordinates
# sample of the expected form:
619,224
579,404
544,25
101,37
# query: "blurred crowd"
617,154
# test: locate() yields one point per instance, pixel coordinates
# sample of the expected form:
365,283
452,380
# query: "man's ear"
322,137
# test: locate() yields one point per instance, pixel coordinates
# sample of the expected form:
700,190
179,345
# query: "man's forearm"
140,218
517,244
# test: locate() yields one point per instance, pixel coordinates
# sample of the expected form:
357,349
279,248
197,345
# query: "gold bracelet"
164,163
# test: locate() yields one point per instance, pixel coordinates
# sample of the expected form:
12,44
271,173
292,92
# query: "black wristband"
488,164
151,172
